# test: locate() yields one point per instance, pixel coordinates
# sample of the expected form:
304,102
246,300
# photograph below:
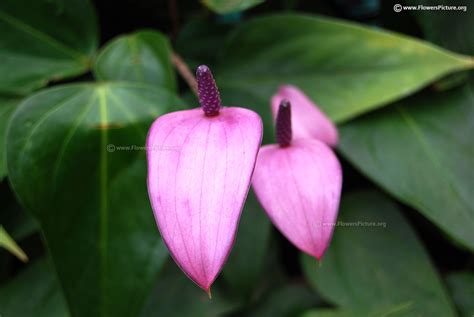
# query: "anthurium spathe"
298,182
200,164
309,120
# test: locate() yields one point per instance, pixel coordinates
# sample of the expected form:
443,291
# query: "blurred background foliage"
77,233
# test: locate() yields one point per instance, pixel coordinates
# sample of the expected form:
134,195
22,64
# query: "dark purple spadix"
209,97
283,124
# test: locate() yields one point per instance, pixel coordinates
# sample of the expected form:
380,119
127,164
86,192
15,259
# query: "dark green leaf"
447,28
396,311
420,150
461,285
177,296
375,262
228,6
44,40
345,68
289,301
34,292
76,160
7,106
142,56
244,268
199,41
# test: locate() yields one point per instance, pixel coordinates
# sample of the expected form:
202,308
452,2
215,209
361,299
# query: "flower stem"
185,72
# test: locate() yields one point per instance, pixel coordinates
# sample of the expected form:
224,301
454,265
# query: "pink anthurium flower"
200,164
298,183
309,121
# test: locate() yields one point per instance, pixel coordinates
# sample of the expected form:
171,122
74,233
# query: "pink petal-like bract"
308,120
298,183
200,164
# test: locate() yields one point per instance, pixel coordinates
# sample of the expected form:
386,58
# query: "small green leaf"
420,150
34,292
9,244
228,6
143,57
376,263
244,268
176,296
347,69
7,106
84,144
461,285
44,40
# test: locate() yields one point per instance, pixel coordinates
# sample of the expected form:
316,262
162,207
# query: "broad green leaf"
420,150
34,292
143,56
396,311
288,301
347,69
447,29
375,262
461,285
44,40
244,268
228,6
211,35
176,296
76,160
7,106
9,244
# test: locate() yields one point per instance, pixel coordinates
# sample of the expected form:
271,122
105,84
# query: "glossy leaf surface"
345,68
44,41
85,144
368,227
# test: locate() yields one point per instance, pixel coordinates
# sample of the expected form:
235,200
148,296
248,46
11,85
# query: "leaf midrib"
103,204
425,146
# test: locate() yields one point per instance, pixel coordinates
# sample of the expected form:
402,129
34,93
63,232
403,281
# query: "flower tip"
209,293
201,70
284,104
208,93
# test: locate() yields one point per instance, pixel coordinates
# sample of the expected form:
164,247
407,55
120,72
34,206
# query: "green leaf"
229,6
244,268
7,106
210,34
44,40
396,311
76,160
376,262
9,244
176,296
461,285
421,152
34,292
446,28
142,57
347,69
290,300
